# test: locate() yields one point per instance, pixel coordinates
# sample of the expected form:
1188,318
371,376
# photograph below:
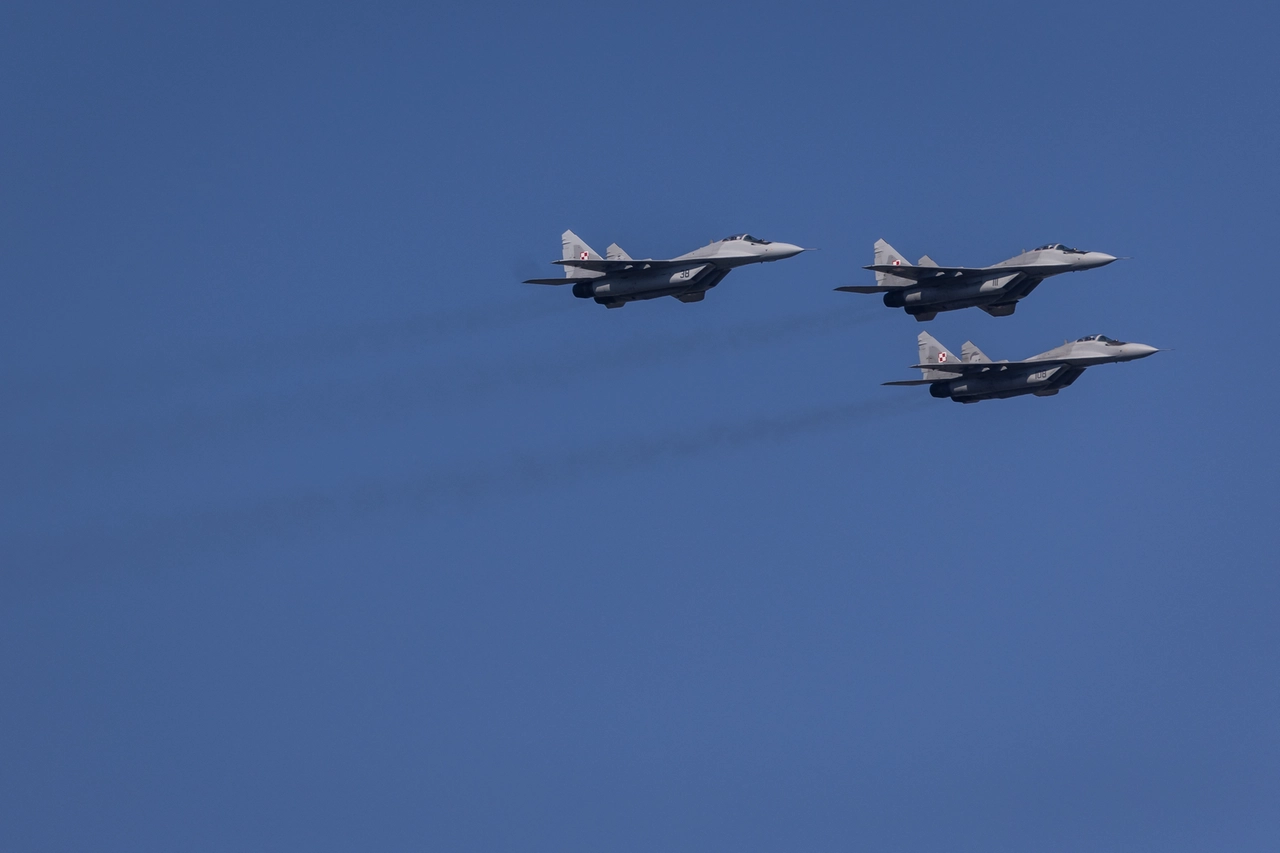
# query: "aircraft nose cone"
1140,350
1096,259
778,251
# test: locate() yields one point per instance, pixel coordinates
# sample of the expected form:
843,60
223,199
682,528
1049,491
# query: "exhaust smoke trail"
407,393
172,370
157,543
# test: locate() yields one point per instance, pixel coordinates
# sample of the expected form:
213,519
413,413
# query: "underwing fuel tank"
614,287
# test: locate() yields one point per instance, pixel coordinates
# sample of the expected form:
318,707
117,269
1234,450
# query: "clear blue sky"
319,531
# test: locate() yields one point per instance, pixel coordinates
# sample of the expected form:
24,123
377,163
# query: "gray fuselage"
686,277
923,289
977,378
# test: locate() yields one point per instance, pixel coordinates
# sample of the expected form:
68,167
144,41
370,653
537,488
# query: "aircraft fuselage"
1041,380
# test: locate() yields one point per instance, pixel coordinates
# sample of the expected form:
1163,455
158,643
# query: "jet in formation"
924,288
617,278
974,377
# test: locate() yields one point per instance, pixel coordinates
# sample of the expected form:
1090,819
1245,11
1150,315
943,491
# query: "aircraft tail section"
972,355
886,254
932,352
616,253
574,248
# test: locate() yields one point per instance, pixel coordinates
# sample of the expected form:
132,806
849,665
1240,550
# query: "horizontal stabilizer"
871,288
911,382
554,280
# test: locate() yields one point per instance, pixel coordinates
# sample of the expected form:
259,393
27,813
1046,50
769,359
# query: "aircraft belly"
660,283
974,388
955,296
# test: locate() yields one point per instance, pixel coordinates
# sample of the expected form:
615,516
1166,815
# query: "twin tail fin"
886,254
574,248
932,352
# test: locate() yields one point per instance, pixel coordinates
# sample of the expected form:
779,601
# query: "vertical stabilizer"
926,261
574,248
886,254
972,355
932,352
616,253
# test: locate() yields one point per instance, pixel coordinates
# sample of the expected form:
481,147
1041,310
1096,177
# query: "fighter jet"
974,377
924,289
617,278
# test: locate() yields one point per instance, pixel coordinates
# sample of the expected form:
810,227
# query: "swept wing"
962,368
921,273
620,265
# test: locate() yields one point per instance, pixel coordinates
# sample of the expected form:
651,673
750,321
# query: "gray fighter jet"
924,288
974,377
617,278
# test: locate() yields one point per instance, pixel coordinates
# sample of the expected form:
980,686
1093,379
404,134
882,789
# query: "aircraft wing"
918,273
554,280
964,368
853,288
911,382
616,265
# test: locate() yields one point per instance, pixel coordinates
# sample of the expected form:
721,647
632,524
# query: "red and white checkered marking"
942,356
584,256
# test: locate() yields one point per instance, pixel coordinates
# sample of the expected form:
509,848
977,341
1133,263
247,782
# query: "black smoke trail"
160,543
326,403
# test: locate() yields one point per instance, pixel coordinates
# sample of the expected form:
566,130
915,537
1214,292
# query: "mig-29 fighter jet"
974,377
617,278
924,288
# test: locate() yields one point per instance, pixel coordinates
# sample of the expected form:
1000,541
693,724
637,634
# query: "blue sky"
320,531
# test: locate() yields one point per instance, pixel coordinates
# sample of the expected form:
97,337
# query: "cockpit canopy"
1059,247
1102,339
746,237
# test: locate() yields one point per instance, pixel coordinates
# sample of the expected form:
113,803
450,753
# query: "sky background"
320,531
